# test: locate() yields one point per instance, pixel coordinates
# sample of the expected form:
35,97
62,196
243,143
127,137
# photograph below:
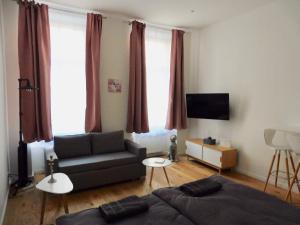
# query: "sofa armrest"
135,149
48,152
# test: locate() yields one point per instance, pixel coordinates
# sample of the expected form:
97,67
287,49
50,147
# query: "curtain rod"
165,27
69,8
125,19
65,8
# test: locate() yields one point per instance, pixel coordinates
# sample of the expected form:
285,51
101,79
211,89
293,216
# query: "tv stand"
214,156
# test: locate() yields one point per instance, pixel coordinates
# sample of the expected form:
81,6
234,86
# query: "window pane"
68,87
158,51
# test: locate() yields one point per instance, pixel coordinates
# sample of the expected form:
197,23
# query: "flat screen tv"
208,106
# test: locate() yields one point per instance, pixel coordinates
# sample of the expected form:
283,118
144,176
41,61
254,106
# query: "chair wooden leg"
294,169
287,171
277,168
293,181
270,170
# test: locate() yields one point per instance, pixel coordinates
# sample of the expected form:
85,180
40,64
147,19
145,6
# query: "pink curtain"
137,113
34,64
176,117
92,67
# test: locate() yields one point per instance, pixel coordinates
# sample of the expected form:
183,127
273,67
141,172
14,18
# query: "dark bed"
234,204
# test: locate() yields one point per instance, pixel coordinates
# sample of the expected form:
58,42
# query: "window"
68,86
158,51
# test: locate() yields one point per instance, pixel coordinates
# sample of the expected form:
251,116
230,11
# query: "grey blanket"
234,204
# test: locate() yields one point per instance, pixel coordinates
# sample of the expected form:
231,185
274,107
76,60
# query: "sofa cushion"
71,146
96,162
108,142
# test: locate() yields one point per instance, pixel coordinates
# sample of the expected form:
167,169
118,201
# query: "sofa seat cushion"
96,162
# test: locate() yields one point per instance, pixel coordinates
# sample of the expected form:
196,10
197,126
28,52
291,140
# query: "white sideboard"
212,155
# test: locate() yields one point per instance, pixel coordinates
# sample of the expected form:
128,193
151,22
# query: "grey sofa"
96,159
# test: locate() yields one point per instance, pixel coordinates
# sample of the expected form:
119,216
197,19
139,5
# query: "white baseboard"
251,174
4,207
263,178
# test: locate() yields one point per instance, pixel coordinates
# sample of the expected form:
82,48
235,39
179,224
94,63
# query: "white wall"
10,14
256,58
114,64
3,127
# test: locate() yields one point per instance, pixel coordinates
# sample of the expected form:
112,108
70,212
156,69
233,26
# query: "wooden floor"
24,209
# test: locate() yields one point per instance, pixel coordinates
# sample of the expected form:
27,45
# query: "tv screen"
208,106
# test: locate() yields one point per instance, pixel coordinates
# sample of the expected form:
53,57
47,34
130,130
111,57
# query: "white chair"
294,142
269,135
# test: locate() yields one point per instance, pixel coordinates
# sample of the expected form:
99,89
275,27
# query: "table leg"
151,176
43,207
166,175
65,202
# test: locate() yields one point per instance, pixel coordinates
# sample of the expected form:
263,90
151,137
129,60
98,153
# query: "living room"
144,88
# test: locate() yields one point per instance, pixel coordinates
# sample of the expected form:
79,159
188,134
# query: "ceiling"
179,13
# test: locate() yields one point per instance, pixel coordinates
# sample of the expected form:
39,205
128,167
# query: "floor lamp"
23,180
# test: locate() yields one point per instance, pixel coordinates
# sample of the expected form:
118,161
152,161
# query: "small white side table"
157,163
62,186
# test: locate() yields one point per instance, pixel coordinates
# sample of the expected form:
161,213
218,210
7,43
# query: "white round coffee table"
157,163
62,186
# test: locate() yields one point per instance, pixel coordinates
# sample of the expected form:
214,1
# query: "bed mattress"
234,204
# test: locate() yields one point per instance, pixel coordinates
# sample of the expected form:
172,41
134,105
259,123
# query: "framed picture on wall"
114,85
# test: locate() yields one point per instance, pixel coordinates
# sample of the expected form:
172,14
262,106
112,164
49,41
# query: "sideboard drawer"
193,150
212,156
